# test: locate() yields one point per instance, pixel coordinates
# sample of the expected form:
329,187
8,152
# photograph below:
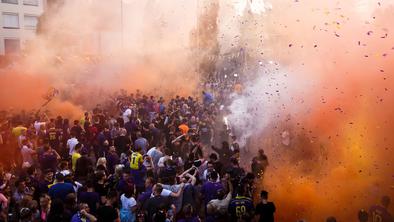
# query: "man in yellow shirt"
136,159
17,131
76,155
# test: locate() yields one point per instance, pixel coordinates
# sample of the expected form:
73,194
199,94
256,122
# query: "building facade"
18,23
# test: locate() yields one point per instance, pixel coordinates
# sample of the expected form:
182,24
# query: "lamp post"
121,22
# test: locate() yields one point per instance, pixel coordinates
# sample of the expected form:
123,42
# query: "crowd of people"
150,160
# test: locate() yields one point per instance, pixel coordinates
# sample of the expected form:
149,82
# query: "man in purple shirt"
210,188
380,212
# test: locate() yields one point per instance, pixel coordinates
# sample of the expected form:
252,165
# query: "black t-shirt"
76,130
266,211
48,161
107,214
101,189
154,204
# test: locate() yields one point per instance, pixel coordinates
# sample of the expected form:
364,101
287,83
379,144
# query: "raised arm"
192,178
187,171
179,193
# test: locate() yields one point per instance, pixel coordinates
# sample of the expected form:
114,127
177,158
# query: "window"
11,46
10,20
30,2
10,1
30,21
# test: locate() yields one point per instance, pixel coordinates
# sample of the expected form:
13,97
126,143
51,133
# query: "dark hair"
101,167
70,199
46,148
48,171
264,194
225,145
31,170
129,191
63,164
213,175
167,151
158,188
89,184
112,194
188,210
99,175
59,177
331,219
57,207
19,182
78,146
213,156
234,161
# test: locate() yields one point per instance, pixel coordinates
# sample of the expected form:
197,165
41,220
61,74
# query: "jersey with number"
241,209
379,214
135,160
52,134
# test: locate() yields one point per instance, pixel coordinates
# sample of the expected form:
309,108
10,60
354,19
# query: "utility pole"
121,23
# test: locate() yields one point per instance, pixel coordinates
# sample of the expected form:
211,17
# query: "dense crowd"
150,160
140,159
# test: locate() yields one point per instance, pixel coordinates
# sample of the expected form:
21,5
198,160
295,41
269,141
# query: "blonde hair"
102,161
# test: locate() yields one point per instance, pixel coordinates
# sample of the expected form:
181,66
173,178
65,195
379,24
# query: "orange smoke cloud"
87,58
339,160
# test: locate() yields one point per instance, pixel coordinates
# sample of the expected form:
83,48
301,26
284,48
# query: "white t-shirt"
164,193
27,154
221,205
126,115
162,160
155,154
71,145
127,203
37,125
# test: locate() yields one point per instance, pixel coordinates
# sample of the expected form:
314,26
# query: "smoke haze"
329,84
331,89
80,51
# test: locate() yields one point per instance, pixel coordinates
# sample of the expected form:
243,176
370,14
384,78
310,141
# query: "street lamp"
121,22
